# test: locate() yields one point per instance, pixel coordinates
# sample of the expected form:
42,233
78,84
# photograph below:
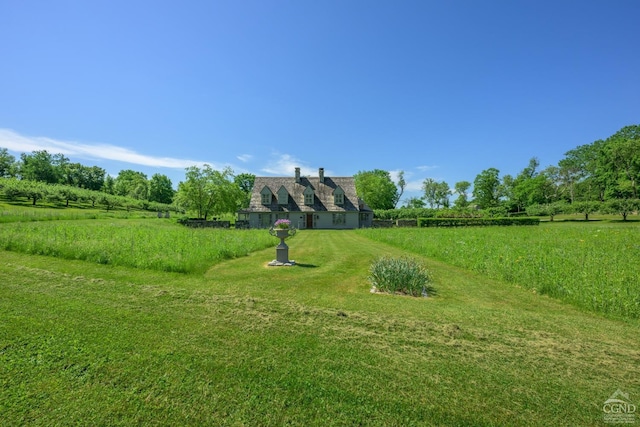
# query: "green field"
240,343
594,265
22,214
152,243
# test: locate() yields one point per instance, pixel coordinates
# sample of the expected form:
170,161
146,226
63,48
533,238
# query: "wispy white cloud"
14,141
414,185
427,168
285,165
395,175
411,182
245,157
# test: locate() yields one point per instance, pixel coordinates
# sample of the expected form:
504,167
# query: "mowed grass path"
247,344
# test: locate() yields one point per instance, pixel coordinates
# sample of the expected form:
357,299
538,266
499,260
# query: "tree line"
41,175
44,167
601,176
35,191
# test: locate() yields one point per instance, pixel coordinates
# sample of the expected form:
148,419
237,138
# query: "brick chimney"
321,174
297,174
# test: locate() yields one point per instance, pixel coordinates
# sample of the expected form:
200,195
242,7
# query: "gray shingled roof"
323,200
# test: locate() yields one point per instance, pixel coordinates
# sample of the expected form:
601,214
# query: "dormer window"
266,196
308,196
283,196
338,196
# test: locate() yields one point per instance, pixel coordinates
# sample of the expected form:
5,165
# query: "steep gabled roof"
323,200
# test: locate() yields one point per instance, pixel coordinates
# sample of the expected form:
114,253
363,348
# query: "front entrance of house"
309,220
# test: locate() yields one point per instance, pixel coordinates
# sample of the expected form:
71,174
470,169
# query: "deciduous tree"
401,184
245,181
436,194
486,188
7,164
130,183
461,188
207,191
430,189
109,185
161,189
42,166
78,175
442,194
579,172
620,158
622,206
526,189
586,208
376,188
414,203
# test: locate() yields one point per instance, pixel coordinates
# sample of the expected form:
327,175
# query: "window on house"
265,220
338,196
266,198
283,196
282,216
339,218
308,196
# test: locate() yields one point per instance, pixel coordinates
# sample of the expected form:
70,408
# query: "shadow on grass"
615,221
561,220
306,265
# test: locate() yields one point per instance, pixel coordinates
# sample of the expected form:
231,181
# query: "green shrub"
495,212
551,209
400,275
467,212
404,213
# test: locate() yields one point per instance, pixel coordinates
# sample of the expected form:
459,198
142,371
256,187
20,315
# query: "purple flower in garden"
282,224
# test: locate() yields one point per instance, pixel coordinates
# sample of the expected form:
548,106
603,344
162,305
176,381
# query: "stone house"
308,202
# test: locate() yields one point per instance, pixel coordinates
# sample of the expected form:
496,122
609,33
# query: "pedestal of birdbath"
282,250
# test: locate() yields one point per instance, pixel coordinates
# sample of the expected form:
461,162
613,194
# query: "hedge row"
468,222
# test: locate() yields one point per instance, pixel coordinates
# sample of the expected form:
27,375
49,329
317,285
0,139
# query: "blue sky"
439,89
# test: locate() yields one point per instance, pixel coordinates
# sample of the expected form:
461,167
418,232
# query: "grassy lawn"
247,344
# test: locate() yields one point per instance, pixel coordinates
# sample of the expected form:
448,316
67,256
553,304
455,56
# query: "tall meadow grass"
150,244
592,265
30,214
